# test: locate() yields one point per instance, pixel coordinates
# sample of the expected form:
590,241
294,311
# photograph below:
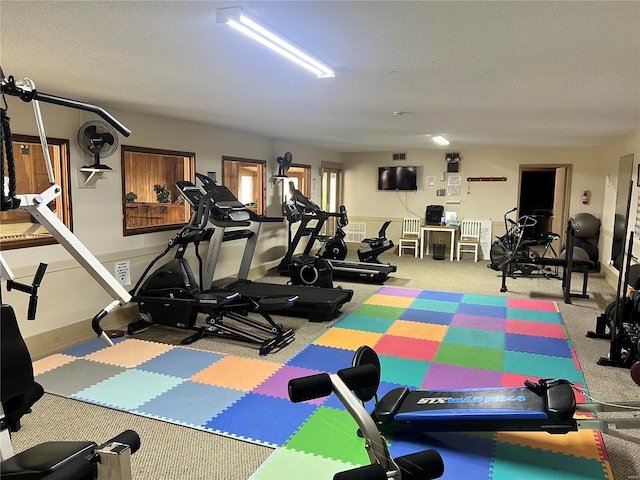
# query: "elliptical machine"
171,295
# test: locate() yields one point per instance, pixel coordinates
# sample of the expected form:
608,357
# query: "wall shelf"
87,176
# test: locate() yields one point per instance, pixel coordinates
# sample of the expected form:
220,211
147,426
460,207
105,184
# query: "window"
246,180
151,202
18,229
300,175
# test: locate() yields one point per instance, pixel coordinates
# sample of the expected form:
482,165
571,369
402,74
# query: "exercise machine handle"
9,87
128,437
320,385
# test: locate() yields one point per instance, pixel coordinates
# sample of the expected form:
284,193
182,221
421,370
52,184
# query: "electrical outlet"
122,273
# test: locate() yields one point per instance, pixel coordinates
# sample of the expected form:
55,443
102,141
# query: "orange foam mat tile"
49,363
390,301
347,339
579,444
423,331
238,373
129,353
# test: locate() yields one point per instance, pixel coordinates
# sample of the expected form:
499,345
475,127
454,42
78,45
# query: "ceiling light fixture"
440,140
237,18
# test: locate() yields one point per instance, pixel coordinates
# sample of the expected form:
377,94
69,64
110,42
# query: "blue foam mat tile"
89,347
128,390
482,310
190,403
473,336
425,316
557,347
180,362
365,323
535,315
484,300
541,366
434,305
262,419
441,296
323,359
465,456
403,371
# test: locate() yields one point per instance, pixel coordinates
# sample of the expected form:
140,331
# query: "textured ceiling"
525,74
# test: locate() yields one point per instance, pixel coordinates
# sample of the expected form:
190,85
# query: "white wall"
477,199
68,295
612,154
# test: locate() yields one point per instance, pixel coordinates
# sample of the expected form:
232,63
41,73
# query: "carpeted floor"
425,339
170,450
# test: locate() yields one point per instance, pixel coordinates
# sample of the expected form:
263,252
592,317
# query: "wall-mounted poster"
454,180
431,181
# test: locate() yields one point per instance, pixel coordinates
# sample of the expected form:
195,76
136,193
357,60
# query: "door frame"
338,169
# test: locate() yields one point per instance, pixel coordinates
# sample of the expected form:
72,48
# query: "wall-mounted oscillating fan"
284,163
98,140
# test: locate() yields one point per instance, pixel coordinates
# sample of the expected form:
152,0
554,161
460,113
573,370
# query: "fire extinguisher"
585,197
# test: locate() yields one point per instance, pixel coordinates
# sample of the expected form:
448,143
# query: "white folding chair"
469,238
410,236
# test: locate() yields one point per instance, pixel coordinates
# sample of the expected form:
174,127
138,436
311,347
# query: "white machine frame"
36,205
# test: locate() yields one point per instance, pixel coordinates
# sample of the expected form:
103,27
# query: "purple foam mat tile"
277,385
481,322
441,376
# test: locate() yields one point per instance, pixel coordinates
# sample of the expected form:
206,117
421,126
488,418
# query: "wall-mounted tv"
397,178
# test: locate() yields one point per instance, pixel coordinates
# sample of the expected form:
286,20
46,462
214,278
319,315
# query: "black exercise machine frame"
568,264
216,304
614,359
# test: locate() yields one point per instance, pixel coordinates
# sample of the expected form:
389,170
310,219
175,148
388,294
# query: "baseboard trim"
53,341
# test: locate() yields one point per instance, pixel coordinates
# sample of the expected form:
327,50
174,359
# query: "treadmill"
318,304
312,219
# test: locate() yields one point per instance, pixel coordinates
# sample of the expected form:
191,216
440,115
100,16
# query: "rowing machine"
548,405
422,465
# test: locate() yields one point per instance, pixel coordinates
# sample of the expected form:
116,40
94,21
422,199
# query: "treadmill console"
226,206
191,193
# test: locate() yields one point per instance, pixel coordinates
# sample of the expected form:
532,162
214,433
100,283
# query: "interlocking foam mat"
425,339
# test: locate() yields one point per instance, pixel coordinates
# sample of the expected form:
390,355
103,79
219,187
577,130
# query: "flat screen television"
398,178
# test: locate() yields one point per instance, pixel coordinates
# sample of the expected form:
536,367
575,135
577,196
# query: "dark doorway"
536,198
544,192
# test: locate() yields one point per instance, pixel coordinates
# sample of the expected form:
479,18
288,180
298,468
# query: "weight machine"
36,204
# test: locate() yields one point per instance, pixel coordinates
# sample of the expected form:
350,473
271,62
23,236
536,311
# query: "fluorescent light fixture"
440,140
237,18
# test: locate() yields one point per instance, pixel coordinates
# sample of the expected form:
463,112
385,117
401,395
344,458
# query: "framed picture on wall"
638,177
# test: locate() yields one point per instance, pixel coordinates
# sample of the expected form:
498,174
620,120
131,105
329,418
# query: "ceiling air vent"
399,156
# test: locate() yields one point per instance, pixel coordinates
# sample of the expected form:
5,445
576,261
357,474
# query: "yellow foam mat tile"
423,331
52,361
390,301
238,373
129,353
347,339
578,444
